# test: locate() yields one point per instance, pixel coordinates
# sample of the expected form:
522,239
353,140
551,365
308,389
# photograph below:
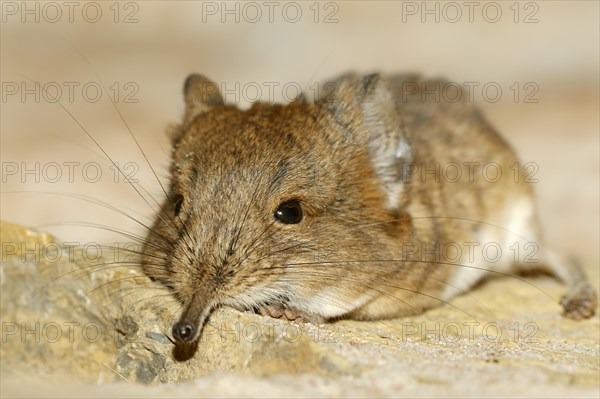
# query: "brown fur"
361,208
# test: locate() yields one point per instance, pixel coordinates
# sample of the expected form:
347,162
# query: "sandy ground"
505,338
142,51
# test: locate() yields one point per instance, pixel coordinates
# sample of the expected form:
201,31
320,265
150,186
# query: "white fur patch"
387,160
512,233
332,303
403,150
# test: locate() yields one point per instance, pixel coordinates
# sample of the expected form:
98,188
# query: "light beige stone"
505,338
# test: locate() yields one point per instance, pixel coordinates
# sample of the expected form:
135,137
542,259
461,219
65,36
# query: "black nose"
183,331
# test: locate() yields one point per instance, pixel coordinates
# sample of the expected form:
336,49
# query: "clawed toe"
580,303
281,311
275,311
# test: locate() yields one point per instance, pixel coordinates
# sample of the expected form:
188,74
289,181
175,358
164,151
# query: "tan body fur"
354,160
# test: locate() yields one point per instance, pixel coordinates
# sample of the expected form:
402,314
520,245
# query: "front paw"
281,311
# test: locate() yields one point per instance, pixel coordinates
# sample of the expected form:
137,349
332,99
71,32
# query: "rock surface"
81,325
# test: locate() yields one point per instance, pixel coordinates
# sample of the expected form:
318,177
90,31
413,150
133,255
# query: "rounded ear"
367,109
201,95
362,100
300,99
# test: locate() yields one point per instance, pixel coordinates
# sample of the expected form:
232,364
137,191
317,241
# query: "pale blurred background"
147,60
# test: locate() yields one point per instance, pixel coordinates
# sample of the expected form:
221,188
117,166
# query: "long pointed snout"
189,326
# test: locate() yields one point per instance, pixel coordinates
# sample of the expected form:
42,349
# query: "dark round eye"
177,203
289,212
